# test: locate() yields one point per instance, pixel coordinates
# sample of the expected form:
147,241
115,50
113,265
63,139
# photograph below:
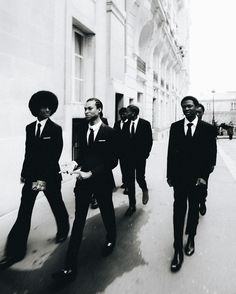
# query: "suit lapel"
181,125
100,133
46,128
198,129
32,129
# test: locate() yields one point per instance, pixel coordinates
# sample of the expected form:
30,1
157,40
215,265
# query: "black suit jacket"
140,146
190,161
117,125
42,155
100,158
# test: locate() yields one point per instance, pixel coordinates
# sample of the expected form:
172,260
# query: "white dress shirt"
193,127
95,129
135,124
122,123
42,123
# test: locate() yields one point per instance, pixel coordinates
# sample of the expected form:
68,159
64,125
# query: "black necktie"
189,131
91,137
38,131
132,130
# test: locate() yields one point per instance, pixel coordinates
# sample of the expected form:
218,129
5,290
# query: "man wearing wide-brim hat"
40,172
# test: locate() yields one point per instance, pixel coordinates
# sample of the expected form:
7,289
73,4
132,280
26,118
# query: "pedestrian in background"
138,145
203,190
230,130
189,163
40,172
96,158
119,126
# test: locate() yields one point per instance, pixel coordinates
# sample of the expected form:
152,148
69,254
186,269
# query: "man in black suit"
138,144
189,162
119,126
203,192
40,172
96,158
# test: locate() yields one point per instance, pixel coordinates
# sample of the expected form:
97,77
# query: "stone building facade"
121,51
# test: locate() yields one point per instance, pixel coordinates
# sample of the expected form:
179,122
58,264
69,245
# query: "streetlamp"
213,107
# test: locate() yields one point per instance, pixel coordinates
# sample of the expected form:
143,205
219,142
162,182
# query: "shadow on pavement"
95,273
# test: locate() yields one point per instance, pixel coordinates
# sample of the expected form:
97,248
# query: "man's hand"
39,185
68,168
200,181
83,175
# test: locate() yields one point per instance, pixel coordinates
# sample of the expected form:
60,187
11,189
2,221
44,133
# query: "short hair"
201,106
122,110
98,102
195,101
134,109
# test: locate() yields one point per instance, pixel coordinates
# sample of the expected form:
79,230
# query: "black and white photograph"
117,147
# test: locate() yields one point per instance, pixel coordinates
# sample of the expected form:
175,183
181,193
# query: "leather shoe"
202,208
189,248
94,204
177,261
64,275
145,197
108,248
126,191
131,210
8,261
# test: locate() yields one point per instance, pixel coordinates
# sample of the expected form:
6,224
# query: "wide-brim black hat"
42,99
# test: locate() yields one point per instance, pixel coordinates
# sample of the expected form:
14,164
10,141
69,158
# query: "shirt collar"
96,126
135,121
42,122
194,122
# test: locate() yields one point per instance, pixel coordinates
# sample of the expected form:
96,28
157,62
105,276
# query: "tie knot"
39,125
91,130
189,125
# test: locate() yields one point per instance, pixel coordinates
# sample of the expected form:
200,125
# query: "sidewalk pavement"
140,263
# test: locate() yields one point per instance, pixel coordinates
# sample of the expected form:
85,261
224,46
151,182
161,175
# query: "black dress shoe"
131,210
189,248
126,192
108,248
202,208
177,261
94,203
8,261
145,197
64,275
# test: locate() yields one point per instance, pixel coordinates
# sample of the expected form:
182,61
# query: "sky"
212,46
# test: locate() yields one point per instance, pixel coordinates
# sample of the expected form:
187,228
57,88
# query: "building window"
131,101
140,97
208,106
78,66
141,65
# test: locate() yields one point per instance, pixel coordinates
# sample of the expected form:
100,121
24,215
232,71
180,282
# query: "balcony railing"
141,65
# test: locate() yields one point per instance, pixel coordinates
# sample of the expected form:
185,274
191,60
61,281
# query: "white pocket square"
101,140
46,138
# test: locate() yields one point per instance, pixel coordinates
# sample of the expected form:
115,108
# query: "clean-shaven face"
91,111
200,112
44,112
189,109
